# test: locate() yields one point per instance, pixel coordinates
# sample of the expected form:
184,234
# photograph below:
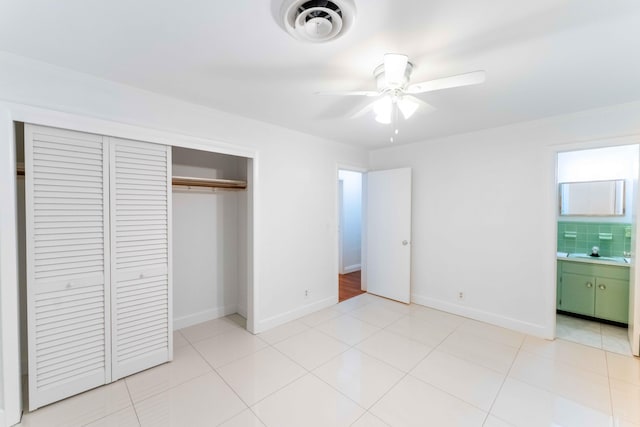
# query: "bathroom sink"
598,258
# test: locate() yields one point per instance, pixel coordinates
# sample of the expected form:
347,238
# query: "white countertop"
616,261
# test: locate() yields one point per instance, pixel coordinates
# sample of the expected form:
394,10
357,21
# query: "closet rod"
230,184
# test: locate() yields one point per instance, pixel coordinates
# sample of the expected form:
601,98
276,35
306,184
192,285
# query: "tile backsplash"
587,235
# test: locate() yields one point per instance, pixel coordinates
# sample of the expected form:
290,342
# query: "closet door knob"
589,285
602,287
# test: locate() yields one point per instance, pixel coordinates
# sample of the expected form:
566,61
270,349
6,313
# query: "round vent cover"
318,20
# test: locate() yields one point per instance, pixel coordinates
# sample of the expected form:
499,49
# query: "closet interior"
166,235
210,264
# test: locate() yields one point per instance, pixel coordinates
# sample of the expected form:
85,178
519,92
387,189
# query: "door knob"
589,285
602,287
405,243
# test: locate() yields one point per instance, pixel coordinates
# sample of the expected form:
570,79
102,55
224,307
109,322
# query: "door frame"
10,370
338,212
340,226
634,276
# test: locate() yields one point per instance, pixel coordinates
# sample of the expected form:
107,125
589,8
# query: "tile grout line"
225,381
506,376
308,372
602,334
135,410
405,373
350,346
153,394
606,360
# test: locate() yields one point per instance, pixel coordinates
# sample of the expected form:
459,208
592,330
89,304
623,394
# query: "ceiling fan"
395,93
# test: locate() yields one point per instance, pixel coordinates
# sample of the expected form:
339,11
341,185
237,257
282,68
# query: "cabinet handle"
602,287
589,285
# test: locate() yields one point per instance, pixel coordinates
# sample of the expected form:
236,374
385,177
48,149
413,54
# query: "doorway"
595,215
350,234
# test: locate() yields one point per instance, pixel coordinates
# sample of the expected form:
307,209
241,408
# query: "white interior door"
67,222
388,265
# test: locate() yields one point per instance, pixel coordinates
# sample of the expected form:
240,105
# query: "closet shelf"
229,184
187,181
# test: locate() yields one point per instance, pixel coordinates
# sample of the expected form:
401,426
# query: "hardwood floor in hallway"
349,286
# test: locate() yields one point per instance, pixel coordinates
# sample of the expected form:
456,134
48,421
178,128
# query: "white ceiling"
542,57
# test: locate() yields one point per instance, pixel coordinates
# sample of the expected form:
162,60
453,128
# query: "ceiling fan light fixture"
382,109
407,107
395,92
395,67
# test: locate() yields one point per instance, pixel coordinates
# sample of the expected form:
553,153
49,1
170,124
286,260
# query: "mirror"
592,198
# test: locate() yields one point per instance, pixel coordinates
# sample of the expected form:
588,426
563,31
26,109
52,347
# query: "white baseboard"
272,322
202,316
484,316
3,420
351,268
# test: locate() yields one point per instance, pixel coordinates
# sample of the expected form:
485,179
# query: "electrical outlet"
460,296
306,292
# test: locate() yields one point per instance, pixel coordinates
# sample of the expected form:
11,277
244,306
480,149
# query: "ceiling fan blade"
395,66
473,78
349,93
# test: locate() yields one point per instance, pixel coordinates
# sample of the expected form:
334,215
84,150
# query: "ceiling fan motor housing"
318,21
381,81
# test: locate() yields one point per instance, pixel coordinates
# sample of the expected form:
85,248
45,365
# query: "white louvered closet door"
67,263
141,255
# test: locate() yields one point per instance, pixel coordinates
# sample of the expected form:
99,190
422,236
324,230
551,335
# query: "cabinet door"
141,255
67,220
578,294
612,299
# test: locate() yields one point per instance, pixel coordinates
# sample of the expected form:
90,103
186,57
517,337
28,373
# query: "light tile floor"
367,362
594,334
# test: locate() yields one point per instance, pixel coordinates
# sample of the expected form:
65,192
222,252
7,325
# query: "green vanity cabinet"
595,290
612,299
578,294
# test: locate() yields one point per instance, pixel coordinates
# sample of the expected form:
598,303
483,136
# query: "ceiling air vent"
318,21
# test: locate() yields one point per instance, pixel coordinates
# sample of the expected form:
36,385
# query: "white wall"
205,255
294,184
10,383
206,234
351,226
598,165
484,212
